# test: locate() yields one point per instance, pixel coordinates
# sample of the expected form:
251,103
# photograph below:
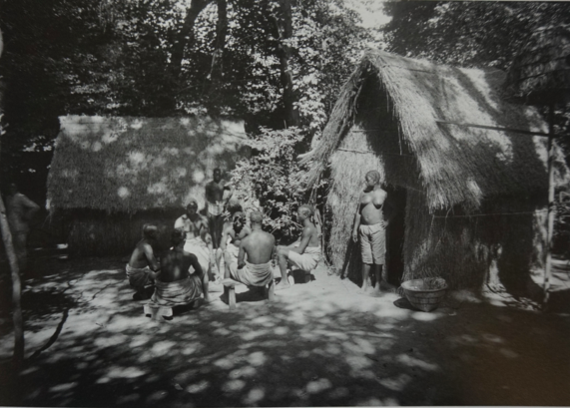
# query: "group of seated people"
245,254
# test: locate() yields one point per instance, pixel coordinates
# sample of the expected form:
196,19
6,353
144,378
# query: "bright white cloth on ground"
199,248
306,261
231,257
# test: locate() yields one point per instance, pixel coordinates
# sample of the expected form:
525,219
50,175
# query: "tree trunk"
284,32
216,71
18,356
184,37
219,46
16,286
550,211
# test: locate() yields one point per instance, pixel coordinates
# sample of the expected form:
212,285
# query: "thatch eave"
456,165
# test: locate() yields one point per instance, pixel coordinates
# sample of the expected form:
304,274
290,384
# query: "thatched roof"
454,164
128,164
540,72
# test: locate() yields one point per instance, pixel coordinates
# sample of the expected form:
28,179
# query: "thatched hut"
472,199
110,175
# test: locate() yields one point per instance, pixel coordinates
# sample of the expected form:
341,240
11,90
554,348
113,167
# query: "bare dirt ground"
320,344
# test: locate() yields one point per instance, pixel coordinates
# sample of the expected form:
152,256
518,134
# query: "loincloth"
178,292
255,275
306,261
138,277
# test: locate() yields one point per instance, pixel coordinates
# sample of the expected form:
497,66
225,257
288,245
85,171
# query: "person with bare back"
198,240
143,266
370,226
305,253
256,252
174,284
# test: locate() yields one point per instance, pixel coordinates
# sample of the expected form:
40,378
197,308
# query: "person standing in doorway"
370,226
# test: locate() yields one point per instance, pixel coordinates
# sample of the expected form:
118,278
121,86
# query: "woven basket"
425,293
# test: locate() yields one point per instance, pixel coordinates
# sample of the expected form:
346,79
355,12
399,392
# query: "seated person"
174,285
234,231
197,238
258,247
143,266
303,254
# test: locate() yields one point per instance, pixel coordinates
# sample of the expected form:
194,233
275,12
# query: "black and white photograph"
278,203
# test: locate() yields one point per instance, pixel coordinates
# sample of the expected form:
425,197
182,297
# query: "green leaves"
269,176
467,34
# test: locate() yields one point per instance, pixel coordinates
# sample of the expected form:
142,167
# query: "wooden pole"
550,211
493,128
18,356
16,287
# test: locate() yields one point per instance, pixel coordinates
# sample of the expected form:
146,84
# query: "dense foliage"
275,63
469,34
166,58
481,34
270,175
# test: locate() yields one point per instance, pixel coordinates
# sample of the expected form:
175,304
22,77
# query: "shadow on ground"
320,344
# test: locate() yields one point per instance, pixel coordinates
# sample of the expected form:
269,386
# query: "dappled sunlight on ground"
320,344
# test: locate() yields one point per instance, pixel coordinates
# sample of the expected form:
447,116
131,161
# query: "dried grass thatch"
134,164
385,119
109,176
455,165
96,233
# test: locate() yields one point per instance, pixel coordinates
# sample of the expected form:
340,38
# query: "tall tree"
282,21
183,39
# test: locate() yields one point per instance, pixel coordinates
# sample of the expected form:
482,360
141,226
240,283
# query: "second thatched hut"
472,200
110,175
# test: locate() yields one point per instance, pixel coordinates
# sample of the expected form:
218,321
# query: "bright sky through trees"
371,12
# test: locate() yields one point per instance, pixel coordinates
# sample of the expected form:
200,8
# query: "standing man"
216,195
198,240
303,254
19,211
143,266
258,248
370,226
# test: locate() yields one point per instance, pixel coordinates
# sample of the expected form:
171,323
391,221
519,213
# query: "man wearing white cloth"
258,248
303,254
175,285
197,237
234,231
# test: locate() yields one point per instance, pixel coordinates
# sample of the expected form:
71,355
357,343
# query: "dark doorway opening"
396,207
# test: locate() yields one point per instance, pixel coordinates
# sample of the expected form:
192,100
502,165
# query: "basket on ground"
425,293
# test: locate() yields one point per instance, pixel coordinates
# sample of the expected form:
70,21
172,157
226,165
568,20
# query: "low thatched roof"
127,164
454,164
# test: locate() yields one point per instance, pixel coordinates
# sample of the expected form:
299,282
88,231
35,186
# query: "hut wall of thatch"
475,198
94,233
504,237
110,175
